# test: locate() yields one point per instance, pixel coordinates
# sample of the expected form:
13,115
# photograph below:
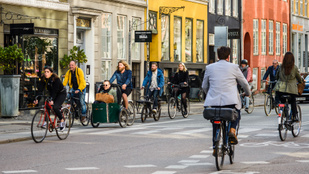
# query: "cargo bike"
113,112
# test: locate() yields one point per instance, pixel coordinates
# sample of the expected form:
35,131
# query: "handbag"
301,87
104,97
227,114
183,85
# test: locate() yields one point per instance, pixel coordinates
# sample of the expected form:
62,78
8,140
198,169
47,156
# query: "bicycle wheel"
145,113
38,131
63,134
172,108
251,105
282,128
123,118
296,127
131,113
157,115
72,115
277,109
183,109
267,104
87,119
95,125
219,149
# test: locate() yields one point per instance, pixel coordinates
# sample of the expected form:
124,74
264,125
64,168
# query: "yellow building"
179,30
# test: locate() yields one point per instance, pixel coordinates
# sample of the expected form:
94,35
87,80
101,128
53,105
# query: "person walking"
246,70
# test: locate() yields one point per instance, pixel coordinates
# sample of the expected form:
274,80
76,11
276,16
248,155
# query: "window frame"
109,37
220,7
278,42
178,46
235,8
124,51
191,38
255,36
263,37
203,41
228,8
284,38
168,40
271,37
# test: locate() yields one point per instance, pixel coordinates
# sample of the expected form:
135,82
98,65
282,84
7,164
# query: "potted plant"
9,83
76,55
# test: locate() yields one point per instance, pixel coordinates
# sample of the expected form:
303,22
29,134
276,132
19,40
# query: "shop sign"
143,36
297,27
234,33
45,31
19,29
83,23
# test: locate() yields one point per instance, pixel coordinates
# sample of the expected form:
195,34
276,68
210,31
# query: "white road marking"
82,168
146,132
164,172
140,166
199,164
176,167
20,171
242,136
266,135
246,130
199,156
206,151
255,162
193,131
189,161
104,132
305,136
230,172
303,161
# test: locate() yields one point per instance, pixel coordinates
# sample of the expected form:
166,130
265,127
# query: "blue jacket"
270,73
125,78
160,80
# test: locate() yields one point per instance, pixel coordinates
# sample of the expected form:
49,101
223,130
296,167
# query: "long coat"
288,83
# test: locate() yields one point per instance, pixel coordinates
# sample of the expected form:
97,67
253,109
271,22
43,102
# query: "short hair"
223,52
154,63
107,81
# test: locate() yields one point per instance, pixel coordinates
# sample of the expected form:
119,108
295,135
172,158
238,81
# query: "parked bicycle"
76,110
269,102
175,104
42,121
243,102
285,120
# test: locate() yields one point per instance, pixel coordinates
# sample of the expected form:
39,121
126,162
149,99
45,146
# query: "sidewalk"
18,128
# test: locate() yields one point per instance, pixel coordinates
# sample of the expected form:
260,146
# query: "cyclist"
123,74
271,72
246,70
220,86
75,77
182,78
288,76
52,83
155,82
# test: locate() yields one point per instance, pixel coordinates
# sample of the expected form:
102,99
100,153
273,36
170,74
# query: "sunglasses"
105,85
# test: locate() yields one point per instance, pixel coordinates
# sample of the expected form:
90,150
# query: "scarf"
107,91
154,84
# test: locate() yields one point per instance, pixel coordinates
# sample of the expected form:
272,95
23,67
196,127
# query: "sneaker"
62,126
154,111
44,125
247,109
232,136
214,152
84,119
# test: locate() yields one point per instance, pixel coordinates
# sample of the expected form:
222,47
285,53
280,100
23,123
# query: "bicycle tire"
267,104
281,127
231,153
62,135
145,113
123,118
85,123
94,125
251,105
277,109
38,133
219,149
72,115
297,125
188,109
157,115
172,108
131,114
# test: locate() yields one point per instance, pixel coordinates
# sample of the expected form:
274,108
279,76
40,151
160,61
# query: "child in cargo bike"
106,93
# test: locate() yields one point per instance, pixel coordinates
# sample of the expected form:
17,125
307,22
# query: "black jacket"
181,76
53,85
270,73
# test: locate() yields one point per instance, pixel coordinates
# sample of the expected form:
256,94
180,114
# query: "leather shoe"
232,136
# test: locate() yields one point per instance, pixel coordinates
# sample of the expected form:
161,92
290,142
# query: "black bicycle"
269,101
75,108
286,121
174,106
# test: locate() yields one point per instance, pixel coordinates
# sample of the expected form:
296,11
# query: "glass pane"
121,39
165,46
235,51
188,32
200,41
106,35
136,47
106,70
177,38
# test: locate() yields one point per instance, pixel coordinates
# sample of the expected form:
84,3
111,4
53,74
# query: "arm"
146,80
298,77
82,82
113,77
187,77
161,82
249,75
205,84
66,78
128,81
56,88
266,74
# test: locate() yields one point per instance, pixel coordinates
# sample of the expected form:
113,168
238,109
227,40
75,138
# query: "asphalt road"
163,147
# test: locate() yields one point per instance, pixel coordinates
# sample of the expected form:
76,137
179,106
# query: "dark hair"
49,68
53,76
288,63
154,63
223,52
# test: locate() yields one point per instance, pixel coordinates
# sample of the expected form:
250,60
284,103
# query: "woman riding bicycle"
288,76
52,83
182,78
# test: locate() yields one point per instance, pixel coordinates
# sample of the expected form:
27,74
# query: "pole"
129,42
306,53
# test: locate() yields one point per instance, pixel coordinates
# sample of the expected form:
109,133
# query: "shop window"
235,8
153,22
271,38
200,41
106,70
235,51
188,33
177,38
106,35
136,47
121,36
165,34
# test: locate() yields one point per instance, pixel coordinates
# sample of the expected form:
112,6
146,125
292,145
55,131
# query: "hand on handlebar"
142,87
35,102
77,91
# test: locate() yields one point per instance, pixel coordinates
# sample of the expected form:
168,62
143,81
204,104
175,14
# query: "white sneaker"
62,126
44,125
154,111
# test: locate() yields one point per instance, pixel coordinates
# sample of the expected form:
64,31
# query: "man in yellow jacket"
75,78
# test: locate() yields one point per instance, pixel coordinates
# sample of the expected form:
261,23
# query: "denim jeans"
81,99
154,93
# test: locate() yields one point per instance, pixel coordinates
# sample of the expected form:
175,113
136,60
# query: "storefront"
105,30
179,35
44,46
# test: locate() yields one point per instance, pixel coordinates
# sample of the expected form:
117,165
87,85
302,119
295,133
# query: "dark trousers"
154,93
292,101
183,92
269,91
58,101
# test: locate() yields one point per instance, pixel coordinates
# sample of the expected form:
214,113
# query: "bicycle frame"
54,123
225,133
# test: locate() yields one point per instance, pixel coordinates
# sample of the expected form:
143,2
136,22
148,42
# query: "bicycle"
42,121
147,104
173,104
285,120
243,102
75,109
222,117
269,103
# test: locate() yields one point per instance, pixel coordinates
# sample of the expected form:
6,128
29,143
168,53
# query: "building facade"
43,46
266,35
105,30
225,13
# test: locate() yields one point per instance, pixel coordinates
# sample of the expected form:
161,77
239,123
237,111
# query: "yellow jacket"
79,76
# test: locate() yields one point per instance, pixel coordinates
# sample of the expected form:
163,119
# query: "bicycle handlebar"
48,98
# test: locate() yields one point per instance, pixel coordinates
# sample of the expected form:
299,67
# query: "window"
263,37
220,7
106,70
296,7
255,36
292,6
284,38
235,51
177,38
200,41
301,7
271,38
235,8
136,47
106,35
227,7
121,36
277,38
255,77
188,40
165,29
306,8
212,6
263,71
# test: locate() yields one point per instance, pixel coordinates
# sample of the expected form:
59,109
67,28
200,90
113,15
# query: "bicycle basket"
227,114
